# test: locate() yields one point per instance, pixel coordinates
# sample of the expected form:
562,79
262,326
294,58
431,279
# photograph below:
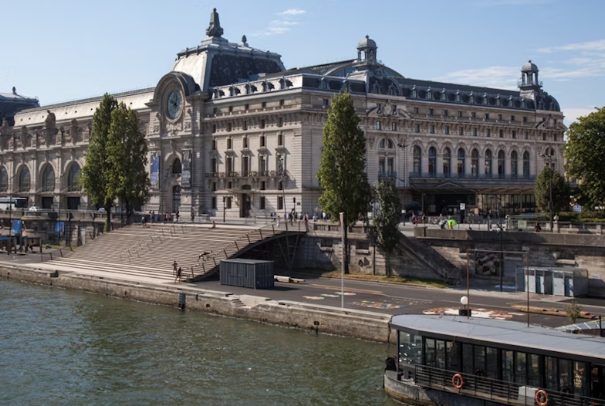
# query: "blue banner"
59,228
155,170
16,227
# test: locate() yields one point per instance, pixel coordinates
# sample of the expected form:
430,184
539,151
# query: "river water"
60,347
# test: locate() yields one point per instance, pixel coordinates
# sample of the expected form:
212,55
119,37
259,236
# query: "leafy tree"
573,311
341,172
127,178
384,230
94,172
584,151
561,190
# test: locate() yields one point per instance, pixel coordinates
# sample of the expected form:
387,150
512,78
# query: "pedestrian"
423,218
165,217
213,224
177,216
144,220
277,219
323,215
192,215
174,268
179,272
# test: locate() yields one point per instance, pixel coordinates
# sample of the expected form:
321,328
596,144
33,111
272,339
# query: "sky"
63,50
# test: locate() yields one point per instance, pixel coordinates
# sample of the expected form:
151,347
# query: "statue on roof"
50,121
214,29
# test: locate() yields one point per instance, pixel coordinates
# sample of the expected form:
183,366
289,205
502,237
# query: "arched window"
460,164
474,162
176,198
514,164
73,179
48,179
447,158
390,144
177,168
501,164
3,180
488,163
381,143
526,164
432,161
24,180
417,160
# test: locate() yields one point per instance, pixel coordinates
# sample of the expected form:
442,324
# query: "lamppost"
10,214
549,156
403,146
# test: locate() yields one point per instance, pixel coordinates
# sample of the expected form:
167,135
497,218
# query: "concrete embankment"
324,319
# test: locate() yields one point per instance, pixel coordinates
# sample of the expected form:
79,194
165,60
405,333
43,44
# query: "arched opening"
526,164
177,167
460,164
514,164
24,180
488,163
176,198
475,163
48,179
447,157
73,178
432,161
381,144
3,179
390,144
417,160
501,169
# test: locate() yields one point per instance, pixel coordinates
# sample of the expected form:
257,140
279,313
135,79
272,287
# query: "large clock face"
175,103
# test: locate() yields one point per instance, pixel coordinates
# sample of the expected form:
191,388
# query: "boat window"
429,348
467,358
550,373
565,376
479,360
580,386
520,367
491,360
533,371
440,354
410,348
453,356
507,366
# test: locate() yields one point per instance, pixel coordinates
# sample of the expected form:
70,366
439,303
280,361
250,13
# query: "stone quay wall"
322,319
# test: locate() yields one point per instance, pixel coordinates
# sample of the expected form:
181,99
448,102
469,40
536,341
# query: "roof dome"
366,43
531,67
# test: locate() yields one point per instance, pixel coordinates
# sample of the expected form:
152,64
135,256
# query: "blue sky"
62,50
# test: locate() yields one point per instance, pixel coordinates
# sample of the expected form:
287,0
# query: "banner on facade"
155,170
186,171
59,228
17,227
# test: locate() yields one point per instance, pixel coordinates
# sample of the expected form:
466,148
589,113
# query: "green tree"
384,232
341,174
94,172
584,151
573,311
127,177
561,190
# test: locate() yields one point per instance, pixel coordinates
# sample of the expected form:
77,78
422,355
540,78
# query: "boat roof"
504,334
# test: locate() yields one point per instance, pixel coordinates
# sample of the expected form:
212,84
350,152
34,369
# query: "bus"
12,203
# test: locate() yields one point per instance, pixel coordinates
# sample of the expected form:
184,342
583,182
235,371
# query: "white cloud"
572,114
292,12
284,22
598,45
500,77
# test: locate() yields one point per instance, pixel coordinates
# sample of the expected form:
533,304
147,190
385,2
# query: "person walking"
165,217
179,272
277,219
174,268
177,214
192,215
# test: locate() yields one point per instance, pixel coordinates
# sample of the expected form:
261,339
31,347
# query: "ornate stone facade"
232,132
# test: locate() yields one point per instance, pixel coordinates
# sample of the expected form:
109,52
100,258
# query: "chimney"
14,90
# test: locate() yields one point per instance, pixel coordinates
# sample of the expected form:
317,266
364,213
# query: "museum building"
232,132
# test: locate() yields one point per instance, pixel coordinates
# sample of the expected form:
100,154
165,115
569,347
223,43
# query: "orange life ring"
458,381
542,398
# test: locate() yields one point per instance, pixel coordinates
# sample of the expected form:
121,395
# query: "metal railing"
471,177
494,390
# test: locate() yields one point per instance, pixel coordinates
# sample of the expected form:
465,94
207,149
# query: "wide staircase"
149,252
426,254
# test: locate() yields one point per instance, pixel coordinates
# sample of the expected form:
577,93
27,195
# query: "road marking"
336,288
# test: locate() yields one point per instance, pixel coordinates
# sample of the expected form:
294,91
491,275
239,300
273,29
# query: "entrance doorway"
73,203
244,207
176,198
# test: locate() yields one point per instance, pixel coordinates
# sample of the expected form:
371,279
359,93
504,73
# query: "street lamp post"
10,214
549,156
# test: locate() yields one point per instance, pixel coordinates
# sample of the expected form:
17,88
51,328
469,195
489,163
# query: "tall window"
381,167
262,141
390,144
488,163
514,164
447,129
177,168
214,165
262,164
280,139
447,158
432,129
474,162
416,128
394,126
417,160
229,165
73,179
526,164
432,161
501,164
381,144
378,125
245,165
281,163
176,197
460,131
3,180
460,164
24,180
48,179
391,167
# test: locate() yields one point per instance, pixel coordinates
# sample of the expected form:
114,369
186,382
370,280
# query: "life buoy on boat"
542,398
458,381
